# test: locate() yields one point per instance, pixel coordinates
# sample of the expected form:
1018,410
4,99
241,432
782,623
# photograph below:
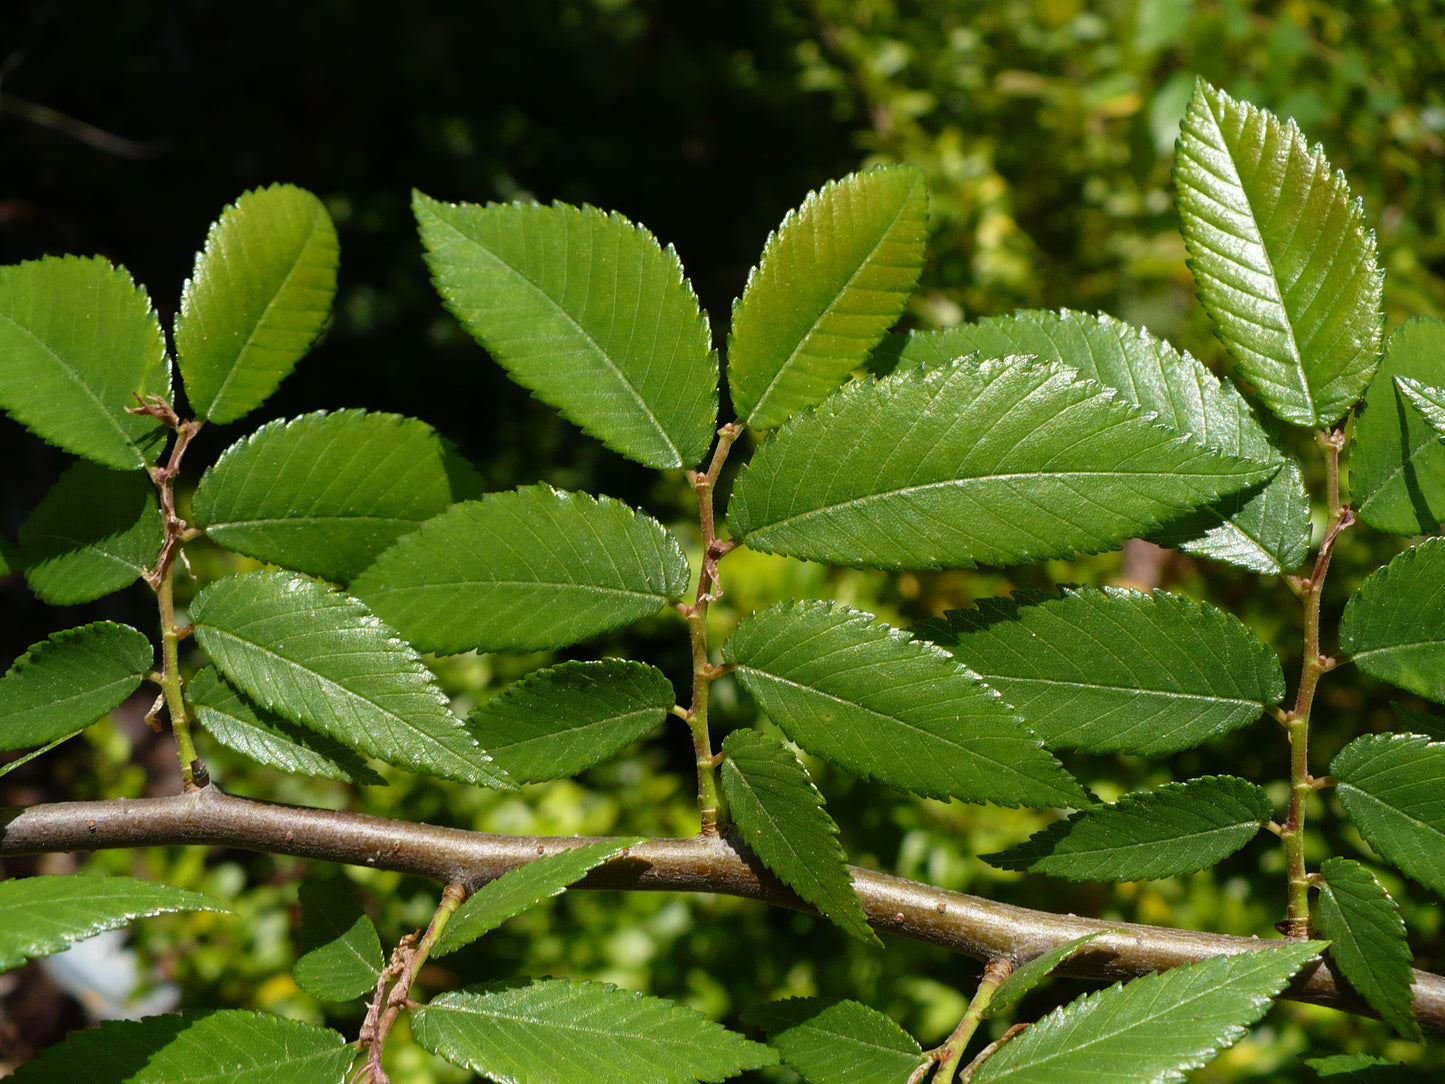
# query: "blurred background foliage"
1046,130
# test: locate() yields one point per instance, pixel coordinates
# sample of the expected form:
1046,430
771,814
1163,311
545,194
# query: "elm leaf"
1024,979
1428,400
1367,941
1393,627
837,1042
1393,788
341,954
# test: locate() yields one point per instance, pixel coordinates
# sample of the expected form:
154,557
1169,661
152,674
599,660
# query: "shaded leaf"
522,889
1282,258
1367,941
259,296
1115,670
1393,788
1397,461
323,660
267,738
780,814
887,707
10,563
1429,401
1178,828
557,722
94,532
1362,1069
1021,981
1419,722
42,915
79,340
832,279
65,683
1394,626
588,312
531,569
997,462
1154,1028
341,954
227,1046
325,493
553,1031
837,1042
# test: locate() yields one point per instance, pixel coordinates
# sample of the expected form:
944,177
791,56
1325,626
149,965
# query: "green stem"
951,1052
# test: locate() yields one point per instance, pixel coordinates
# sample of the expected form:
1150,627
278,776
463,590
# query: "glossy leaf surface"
325,493
552,1031
531,569
1394,625
1178,828
832,279
1115,670
340,950
778,810
1393,788
557,722
42,915
1168,1023
323,660
587,311
1282,258
95,532
1427,400
259,296
837,1042
887,707
65,683
80,340
1367,941
1020,982
997,462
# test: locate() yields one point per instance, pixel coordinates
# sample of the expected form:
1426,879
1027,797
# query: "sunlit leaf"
1428,400
95,532
1003,461
553,1031
837,1042
779,812
1115,670
67,682
832,279
1155,1028
78,341
1367,941
259,296
1394,625
587,311
887,707
323,660
1178,828
534,568
1021,981
42,915
1393,788
557,722
340,950
1283,260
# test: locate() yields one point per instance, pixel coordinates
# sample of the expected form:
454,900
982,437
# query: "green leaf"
10,563
325,493
1155,1028
553,1031
1397,461
1264,530
522,889
266,737
837,1042
340,951
1283,260
1394,625
781,817
1367,941
79,340
259,296
1178,828
587,311
222,1047
41,915
833,278
1428,400
886,707
1115,670
1419,722
1012,990
323,660
557,722
95,532
1393,788
67,682
527,570
1363,1069
1001,462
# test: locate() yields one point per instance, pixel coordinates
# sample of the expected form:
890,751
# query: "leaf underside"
837,1042
1393,788
340,949
1394,625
